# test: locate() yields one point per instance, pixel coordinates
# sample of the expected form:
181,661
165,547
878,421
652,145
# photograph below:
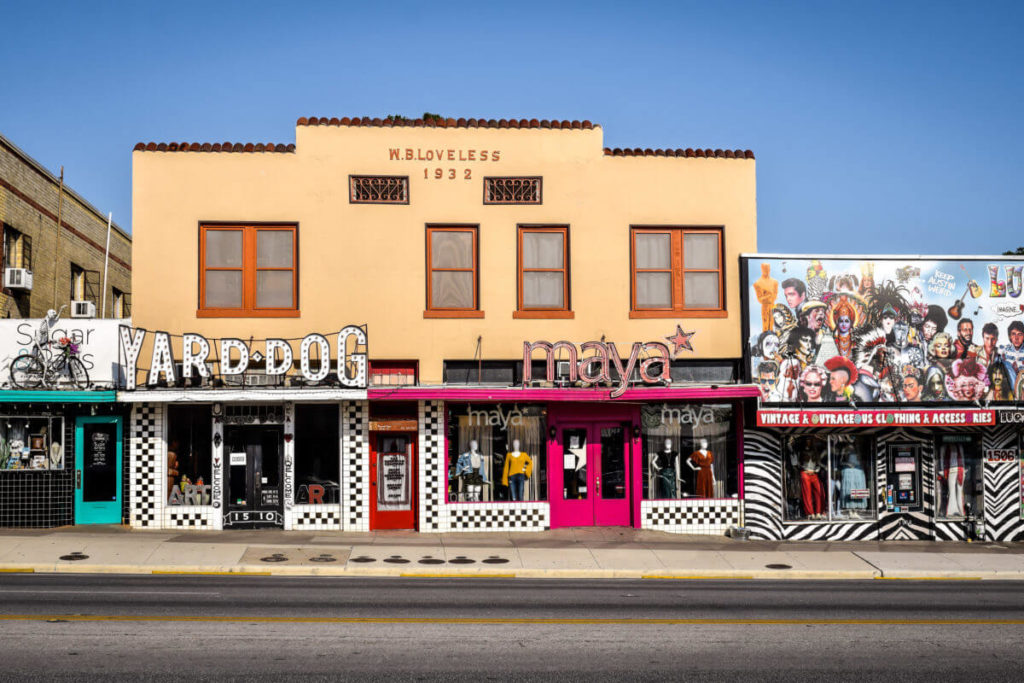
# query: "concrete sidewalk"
565,553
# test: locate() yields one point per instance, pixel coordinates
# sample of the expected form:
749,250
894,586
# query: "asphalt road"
68,627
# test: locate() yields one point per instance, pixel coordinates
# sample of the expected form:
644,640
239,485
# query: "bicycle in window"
50,363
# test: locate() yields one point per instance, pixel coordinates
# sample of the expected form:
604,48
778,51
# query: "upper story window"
17,249
516,190
378,189
676,272
543,273
452,274
248,271
122,303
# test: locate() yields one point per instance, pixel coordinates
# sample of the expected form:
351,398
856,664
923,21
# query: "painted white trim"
240,395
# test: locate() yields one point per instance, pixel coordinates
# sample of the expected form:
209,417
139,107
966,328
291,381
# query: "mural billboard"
887,330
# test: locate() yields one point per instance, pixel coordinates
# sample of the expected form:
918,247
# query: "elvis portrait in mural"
847,331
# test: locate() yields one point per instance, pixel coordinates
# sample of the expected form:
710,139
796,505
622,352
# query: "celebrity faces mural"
886,330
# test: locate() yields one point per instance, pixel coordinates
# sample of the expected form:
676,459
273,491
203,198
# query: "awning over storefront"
305,395
573,394
58,396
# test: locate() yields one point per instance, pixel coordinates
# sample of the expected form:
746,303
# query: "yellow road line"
523,620
182,573
929,578
11,570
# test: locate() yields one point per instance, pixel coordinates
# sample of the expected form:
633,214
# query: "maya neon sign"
592,365
235,355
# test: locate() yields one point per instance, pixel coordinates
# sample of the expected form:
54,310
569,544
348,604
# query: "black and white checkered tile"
495,518
355,466
710,517
316,517
182,518
146,464
431,466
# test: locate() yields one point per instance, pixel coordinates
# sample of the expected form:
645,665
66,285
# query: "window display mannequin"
665,465
951,469
172,465
471,469
700,462
811,491
852,478
518,468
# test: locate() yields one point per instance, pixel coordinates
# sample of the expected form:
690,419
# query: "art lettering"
235,357
652,362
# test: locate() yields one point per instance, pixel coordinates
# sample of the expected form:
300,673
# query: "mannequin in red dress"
700,462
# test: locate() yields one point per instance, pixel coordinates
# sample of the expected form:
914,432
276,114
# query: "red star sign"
680,340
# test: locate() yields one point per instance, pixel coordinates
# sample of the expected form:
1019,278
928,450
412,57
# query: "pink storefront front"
527,459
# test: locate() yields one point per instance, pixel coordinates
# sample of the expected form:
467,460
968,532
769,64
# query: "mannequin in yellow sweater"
518,468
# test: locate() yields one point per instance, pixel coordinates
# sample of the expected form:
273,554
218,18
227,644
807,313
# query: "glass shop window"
317,464
497,452
689,451
31,443
829,478
189,472
959,476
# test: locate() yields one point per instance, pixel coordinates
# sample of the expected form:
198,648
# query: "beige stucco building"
451,244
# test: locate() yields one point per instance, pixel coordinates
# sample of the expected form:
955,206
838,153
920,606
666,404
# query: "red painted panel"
393,489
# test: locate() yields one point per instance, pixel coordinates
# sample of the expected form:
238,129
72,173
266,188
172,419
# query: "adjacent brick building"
65,265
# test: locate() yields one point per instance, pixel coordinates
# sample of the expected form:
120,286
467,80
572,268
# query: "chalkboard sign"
99,445
99,460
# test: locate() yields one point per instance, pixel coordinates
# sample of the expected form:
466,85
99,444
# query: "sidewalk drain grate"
74,557
363,558
323,557
276,557
778,566
494,559
461,559
396,559
431,560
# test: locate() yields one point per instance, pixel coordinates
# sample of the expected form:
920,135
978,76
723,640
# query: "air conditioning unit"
17,278
562,369
83,309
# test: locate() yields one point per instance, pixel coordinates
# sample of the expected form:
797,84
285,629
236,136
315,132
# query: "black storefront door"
254,476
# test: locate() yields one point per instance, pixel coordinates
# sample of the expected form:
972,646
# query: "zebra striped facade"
764,504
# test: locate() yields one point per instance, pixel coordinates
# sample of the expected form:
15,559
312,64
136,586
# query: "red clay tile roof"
446,123
698,153
212,147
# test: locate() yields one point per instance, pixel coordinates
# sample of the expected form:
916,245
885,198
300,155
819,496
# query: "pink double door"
591,474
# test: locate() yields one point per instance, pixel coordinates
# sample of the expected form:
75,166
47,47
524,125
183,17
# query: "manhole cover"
494,559
74,557
396,559
461,559
323,557
276,557
362,558
778,566
431,560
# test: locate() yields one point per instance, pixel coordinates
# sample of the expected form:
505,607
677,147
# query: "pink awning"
466,393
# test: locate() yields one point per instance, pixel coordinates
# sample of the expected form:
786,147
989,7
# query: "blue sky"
878,127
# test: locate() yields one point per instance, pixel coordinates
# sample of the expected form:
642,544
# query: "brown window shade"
248,271
452,274
543,283
676,271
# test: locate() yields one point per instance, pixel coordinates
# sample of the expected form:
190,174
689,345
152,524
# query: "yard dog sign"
233,357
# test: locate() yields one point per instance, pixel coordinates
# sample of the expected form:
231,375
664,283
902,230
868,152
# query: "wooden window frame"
249,271
522,312
474,312
678,272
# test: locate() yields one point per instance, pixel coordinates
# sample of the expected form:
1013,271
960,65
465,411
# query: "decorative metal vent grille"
378,189
512,190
